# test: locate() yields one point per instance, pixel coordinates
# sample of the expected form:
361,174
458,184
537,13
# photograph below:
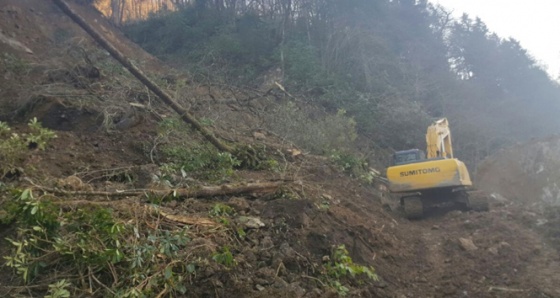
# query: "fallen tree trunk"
183,113
196,192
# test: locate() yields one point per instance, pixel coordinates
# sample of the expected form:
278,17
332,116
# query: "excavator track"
477,200
413,207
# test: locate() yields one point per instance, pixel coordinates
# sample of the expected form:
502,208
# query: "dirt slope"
526,173
501,253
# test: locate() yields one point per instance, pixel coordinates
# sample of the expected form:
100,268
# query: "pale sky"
535,24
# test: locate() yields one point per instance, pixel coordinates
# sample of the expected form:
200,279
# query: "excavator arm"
438,140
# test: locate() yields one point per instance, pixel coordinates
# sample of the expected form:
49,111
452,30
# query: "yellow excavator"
424,181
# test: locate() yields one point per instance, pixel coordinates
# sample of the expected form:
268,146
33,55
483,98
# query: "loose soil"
510,256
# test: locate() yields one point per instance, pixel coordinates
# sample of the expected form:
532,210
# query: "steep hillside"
526,173
114,136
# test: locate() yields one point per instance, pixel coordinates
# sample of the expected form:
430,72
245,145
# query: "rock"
249,255
287,251
285,256
261,281
455,213
541,221
537,249
469,225
266,273
498,198
259,135
73,183
304,220
259,288
294,152
449,290
467,244
265,276
266,243
295,290
504,244
280,283
251,222
435,227
239,204
493,250
381,284
128,121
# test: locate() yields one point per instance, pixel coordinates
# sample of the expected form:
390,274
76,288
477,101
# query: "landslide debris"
247,245
527,177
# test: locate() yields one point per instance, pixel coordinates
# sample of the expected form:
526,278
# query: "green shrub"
305,72
319,135
220,209
14,64
91,241
224,257
201,161
348,162
14,147
340,268
181,154
341,265
39,222
61,36
58,289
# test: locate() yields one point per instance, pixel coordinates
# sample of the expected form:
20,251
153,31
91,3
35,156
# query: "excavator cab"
408,156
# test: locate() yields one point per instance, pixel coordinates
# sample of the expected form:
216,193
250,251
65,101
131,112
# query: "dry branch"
195,192
188,220
504,289
139,74
128,205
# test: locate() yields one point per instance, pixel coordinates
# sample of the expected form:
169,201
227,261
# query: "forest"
391,65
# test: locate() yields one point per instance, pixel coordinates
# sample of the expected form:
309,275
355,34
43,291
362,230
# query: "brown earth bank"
76,90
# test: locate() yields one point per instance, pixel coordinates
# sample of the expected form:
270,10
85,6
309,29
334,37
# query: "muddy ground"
451,253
